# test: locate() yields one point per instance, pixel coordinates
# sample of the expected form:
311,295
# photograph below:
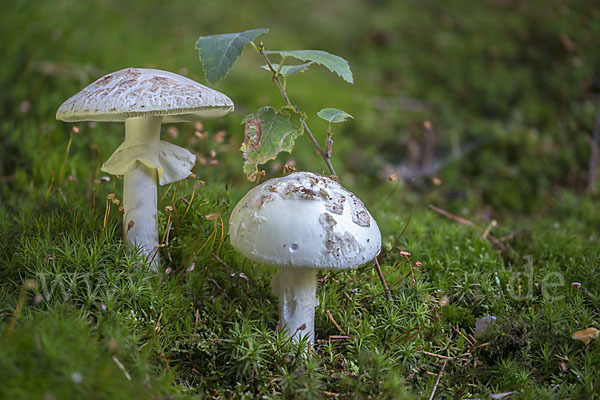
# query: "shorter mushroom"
301,223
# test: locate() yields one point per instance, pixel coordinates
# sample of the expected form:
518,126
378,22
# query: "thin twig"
121,367
220,289
452,216
466,222
457,329
28,284
437,381
489,228
105,221
403,335
189,204
438,355
446,357
196,321
335,323
382,293
388,292
299,329
376,275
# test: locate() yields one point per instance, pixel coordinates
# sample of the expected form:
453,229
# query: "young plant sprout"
143,99
301,223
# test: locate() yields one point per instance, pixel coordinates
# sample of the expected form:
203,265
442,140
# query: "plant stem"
388,292
261,50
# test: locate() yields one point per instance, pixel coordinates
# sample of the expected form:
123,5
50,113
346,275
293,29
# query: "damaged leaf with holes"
268,132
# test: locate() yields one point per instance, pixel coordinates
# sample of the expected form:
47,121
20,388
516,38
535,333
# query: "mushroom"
143,99
301,223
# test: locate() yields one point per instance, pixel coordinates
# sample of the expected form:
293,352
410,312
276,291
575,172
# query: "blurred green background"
485,108
509,88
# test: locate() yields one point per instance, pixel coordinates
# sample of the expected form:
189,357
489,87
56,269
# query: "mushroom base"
139,204
296,288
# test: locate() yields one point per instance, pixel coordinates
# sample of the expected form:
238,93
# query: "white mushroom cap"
304,220
136,92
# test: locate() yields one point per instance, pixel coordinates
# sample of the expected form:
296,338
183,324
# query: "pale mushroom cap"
136,92
304,220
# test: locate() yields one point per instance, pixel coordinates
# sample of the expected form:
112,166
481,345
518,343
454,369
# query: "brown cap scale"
300,223
140,92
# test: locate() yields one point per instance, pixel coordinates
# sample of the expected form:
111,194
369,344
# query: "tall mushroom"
301,223
143,99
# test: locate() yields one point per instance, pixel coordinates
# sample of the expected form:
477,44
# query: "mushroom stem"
140,190
296,288
139,204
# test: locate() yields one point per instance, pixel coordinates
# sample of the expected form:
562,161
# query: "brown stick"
451,216
466,222
335,323
388,292
437,381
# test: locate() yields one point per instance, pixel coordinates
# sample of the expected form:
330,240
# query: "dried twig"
471,343
446,357
466,222
437,381
335,322
405,337
121,367
196,321
382,278
382,293
334,338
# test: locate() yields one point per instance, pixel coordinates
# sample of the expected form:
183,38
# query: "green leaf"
330,61
333,115
268,132
287,70
219,52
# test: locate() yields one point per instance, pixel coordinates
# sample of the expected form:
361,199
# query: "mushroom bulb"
143,99
301,223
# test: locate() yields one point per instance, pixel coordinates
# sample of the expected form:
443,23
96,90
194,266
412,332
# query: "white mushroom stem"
296,288
140,190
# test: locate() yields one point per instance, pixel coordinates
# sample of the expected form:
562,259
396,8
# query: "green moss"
509,89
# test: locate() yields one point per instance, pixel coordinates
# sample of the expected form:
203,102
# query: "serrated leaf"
333,115
287,70
219,52
268,132
330,61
